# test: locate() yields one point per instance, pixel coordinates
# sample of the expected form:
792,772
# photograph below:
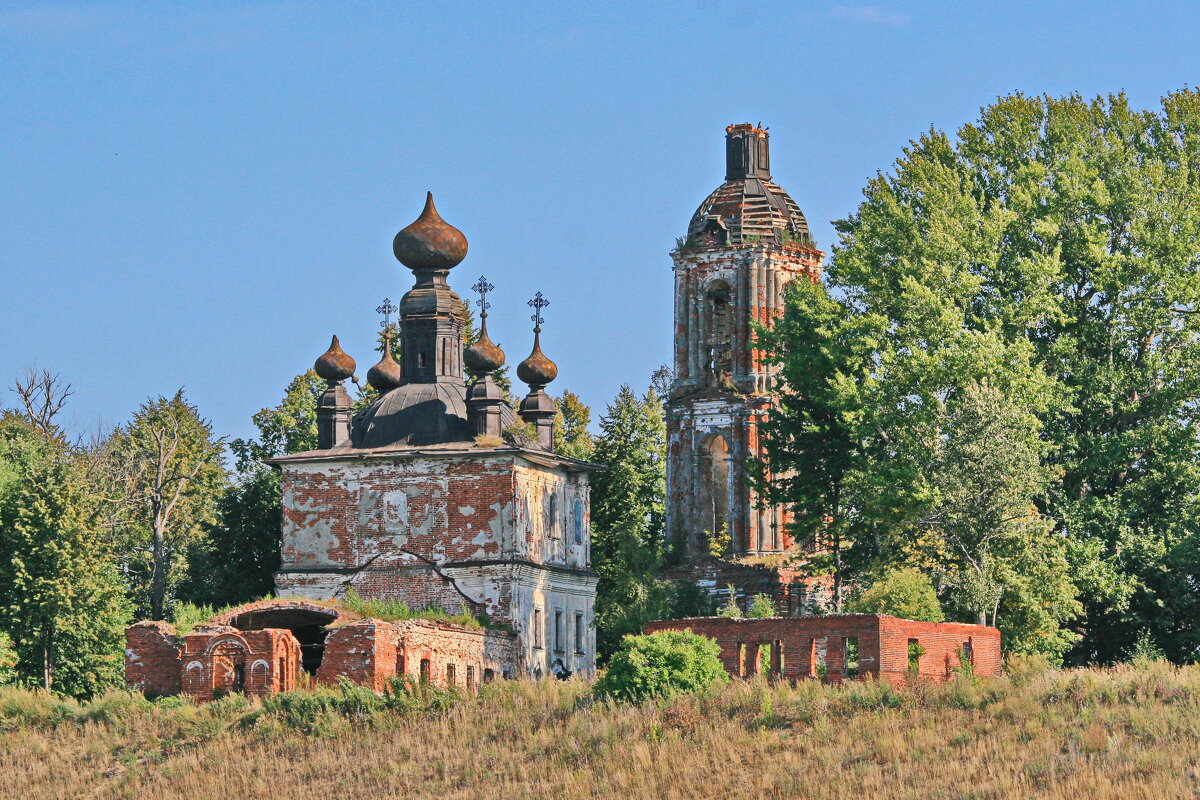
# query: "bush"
662,665
906,593
8,660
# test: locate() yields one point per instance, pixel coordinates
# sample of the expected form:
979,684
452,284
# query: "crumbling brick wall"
152,658
804,647
219,659
370,652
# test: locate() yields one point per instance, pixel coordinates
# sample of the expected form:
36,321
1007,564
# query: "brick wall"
799,645
370,652
218,659
152,653
363,652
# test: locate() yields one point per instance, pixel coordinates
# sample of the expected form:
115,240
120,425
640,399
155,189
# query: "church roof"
748,206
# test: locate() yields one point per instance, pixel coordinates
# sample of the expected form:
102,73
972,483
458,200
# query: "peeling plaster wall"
490,533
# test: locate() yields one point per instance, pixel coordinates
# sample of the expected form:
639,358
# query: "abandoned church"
441,494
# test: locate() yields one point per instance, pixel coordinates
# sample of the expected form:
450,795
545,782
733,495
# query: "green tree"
168,466
62,604
628,503
571,436
1049,251
907,593
237,556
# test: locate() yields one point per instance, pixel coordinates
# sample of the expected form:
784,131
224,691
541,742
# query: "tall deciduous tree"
62,603
168,465
1051,252
236,558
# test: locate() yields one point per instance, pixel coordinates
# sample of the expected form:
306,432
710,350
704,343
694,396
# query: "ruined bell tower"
744,244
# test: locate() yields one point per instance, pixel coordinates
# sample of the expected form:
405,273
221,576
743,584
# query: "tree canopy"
997,380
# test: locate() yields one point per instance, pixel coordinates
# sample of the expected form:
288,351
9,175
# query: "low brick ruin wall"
804,647
371,652
218,658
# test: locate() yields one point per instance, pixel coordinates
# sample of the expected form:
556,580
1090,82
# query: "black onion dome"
430,243
537,370
385,375
414,415
334,364
483,356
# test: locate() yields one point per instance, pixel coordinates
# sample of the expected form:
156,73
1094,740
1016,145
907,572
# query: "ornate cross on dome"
482,287
386,308
538,302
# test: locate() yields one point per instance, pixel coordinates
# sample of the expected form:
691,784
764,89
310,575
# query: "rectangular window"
470,679
580,632
915,651
451,678
968,650
558,631
537,629
850,655
578,522
424,670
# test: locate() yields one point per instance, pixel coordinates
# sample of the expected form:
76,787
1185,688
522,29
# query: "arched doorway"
308,622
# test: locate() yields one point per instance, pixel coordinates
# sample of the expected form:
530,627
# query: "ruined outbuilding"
263,654
839,647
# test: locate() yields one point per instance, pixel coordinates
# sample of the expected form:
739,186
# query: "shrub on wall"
662,665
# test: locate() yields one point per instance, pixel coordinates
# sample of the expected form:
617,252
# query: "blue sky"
198,195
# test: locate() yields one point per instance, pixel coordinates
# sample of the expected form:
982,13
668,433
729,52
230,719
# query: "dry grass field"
1091,734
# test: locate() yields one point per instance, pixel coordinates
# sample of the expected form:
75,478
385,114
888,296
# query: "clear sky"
198,195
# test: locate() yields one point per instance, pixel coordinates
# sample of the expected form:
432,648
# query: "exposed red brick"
798,643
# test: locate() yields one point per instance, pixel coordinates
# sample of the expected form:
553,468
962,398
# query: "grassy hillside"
1082,734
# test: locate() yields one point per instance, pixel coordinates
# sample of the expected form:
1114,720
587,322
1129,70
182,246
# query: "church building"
438,494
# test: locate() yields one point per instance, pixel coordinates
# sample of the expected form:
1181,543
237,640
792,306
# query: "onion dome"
748,206
334,365
537,370
430,243
385,375
485,355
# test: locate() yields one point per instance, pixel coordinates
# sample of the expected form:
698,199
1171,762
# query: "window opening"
424,670
915,651
537,629
451,677
558,632
579,634
818,649
850,654
470,679
578,522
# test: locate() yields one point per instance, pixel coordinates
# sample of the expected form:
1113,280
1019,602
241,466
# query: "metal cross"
387,309
482,287
538,303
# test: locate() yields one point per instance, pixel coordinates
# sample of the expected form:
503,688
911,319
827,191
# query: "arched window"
718,338
714,488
